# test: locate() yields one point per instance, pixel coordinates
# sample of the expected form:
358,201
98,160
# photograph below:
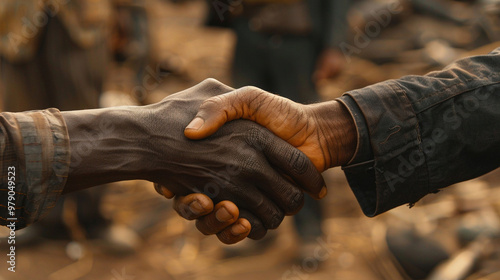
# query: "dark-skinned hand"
261,174
243,165
325,132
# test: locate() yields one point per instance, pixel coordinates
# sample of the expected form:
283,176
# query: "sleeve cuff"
43,159
388,155
363,150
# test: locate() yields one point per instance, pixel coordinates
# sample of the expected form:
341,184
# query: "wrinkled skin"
237,163
242,162
325,132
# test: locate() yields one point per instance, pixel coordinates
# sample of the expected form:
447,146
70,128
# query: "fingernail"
323,192
196,124
166,192
238,229
196,207
223,215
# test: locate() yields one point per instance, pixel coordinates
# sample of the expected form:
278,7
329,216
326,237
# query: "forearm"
426,132
106,146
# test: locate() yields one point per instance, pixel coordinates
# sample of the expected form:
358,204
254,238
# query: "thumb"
211,115
216,111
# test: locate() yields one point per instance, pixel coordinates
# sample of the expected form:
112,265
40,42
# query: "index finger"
291,161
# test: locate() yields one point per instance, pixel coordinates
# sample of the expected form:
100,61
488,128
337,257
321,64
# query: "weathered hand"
243,162
325,132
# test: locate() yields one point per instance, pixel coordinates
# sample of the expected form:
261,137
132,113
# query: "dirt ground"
170,248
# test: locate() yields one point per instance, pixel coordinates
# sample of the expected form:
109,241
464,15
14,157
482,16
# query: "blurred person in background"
56,54
285,47
131,51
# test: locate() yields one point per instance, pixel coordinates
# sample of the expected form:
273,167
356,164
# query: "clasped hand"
272,169
253,176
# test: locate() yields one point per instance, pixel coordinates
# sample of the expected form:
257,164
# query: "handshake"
237,161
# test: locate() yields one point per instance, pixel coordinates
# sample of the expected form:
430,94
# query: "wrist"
338,135
105,147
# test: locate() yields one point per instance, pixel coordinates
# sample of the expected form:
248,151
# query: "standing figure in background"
285,47
131,47
53,54
56,54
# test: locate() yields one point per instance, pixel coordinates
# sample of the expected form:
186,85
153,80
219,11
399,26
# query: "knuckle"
211,103
254,95
212,106
276,220
252,166
184,211
206,226
252,90
211,82
288,196
299,161
273,219
255,138
217,86
294,202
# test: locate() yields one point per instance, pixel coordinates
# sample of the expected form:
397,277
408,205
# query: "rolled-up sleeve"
35,157
419,134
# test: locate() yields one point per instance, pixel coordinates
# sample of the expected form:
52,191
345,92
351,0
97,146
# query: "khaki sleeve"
35,152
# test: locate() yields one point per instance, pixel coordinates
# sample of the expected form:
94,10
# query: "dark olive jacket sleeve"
419,134
35,158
